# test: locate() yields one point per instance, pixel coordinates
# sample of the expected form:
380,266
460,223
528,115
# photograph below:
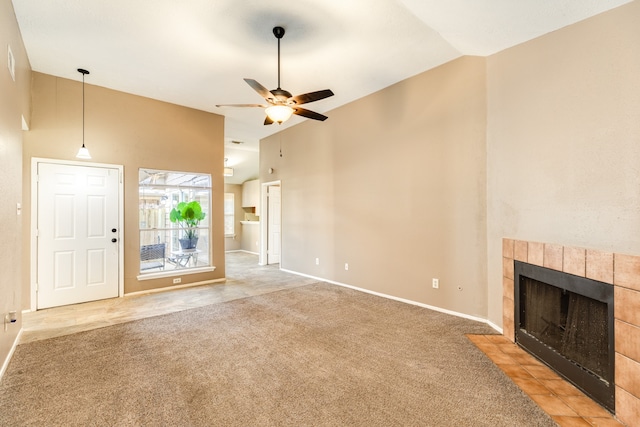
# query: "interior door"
274,225
77,221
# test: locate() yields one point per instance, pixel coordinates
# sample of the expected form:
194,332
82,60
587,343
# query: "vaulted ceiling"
196,53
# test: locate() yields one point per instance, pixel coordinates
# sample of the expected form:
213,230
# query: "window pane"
179,240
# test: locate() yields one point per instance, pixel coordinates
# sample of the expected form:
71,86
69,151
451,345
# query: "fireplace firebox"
566,321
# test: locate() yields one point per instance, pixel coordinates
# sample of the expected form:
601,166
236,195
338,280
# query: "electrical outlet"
346,265
435,283
317,261
176,281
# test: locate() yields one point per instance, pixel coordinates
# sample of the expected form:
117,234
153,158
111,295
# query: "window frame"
179,186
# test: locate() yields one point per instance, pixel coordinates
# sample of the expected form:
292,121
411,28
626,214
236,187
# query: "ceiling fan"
281,104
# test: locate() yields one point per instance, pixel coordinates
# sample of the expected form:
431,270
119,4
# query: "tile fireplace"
621,273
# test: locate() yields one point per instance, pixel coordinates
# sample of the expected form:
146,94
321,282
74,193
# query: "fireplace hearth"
567,321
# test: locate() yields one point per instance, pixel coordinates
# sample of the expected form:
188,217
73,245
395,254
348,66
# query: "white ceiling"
197,53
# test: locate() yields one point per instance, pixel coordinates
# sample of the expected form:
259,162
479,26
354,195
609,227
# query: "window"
174,220
229,217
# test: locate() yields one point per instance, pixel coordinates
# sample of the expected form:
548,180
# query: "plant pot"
188,243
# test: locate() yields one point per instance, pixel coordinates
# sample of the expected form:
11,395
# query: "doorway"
270,224
76,232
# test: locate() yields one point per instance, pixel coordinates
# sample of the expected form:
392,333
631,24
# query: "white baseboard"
406,301
5,364
243,250
496,327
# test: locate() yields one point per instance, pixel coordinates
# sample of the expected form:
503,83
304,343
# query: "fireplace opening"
566,321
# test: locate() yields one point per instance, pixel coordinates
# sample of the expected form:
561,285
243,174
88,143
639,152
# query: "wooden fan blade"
311,96
309,114
268,121
263,91
242,105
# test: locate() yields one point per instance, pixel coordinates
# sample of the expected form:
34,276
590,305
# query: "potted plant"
188,215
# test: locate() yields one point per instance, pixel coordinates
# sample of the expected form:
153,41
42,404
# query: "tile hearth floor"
567,405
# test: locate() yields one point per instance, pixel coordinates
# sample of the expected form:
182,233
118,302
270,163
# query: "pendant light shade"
279,113
83,152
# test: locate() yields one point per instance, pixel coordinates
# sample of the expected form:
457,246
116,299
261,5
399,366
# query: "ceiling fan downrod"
279,33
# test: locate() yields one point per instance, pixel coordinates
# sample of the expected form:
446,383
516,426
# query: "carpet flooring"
316,355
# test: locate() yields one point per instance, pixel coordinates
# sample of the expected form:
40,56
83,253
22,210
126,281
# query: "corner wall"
133,131
394,185
563,141
14,105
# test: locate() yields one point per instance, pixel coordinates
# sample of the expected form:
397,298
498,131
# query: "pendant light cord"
83,72
83,109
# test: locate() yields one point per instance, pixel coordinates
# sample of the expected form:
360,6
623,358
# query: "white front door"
274,226
77,234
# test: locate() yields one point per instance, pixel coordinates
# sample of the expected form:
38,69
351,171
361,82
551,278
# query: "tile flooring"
567,405
244,278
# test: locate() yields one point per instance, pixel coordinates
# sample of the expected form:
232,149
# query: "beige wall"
563,141
14,104
133,131
233,243
394,185
402,186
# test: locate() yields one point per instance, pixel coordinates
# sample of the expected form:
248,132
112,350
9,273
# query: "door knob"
113,230
114,240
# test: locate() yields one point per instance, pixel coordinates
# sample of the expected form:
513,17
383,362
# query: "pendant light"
227,170
83,152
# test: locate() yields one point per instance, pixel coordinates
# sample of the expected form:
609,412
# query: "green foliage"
188,215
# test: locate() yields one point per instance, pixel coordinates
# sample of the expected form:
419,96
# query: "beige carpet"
318,355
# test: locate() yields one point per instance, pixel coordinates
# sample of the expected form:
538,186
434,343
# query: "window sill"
173,273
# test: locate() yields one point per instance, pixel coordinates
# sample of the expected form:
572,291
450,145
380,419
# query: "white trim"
242,250
496,327
34,220
264,222
172,288
419,304
5,364
174,273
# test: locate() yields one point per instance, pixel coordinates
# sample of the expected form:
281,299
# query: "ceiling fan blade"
263,91
242,105
309,114
311,96
268,121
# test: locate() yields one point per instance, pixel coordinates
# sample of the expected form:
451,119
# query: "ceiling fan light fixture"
280,101
279,113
